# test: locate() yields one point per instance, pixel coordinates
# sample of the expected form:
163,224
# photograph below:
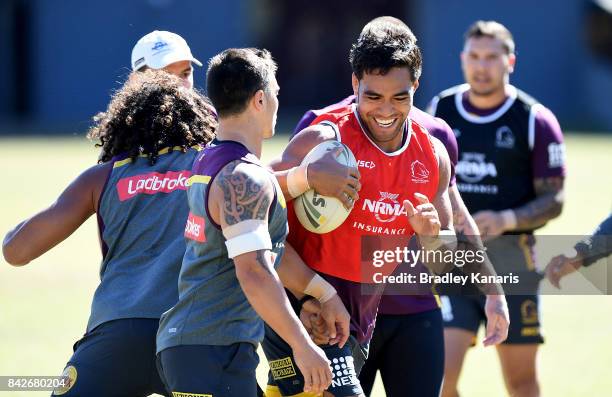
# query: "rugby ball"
317,213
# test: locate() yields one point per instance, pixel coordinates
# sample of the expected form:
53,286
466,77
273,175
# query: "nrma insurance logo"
386,209
473,167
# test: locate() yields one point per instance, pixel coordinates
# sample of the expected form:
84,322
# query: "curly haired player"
149,137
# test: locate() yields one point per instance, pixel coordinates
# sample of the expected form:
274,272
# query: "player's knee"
449,390
523,386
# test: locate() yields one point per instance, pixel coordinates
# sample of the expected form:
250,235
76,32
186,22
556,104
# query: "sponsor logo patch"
70,377
473,168
556,155
194,229
282,368
152,183
343,372
386,208
180,394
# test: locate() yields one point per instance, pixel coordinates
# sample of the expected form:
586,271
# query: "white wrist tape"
509,219
320,289
297,180
445,237
247,236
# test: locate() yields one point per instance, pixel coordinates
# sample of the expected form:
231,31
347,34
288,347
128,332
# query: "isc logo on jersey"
473,168
386,208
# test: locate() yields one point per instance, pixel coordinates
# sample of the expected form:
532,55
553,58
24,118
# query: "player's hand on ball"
561,266
330,178
423,218
498,320
315,367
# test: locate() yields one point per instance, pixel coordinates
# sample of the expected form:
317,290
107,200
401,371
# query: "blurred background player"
386,65
407,324
510,174
149,137
235,235
165,50
587,251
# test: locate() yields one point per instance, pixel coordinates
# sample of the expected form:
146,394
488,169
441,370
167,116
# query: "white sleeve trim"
433,106
532,117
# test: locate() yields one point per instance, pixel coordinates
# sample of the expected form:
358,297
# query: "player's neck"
490,101
241,130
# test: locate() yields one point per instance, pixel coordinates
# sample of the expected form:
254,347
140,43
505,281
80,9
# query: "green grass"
44,306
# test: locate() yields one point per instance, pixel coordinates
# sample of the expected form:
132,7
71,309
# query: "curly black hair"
151,111
385,43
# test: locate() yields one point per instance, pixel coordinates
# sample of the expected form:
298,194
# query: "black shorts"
467,312
204,370
408,350
117,358
285,379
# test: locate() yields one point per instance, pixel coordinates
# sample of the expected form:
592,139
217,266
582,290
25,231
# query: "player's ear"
415,85
355,82
511,62
258,100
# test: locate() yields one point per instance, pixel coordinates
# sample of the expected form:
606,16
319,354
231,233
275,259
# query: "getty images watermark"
403,267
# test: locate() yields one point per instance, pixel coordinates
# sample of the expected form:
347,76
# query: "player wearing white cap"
165,50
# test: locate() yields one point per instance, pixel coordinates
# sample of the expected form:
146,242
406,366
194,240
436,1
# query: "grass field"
44,306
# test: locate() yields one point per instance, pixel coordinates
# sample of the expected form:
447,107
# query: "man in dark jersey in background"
149,137
410,325
235,235
510,173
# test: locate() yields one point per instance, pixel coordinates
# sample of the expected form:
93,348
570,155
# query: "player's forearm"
546,206
468,239
293,272
435,250
597,246
264,292
12,250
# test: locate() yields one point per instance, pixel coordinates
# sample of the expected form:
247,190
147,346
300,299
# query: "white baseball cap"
159,49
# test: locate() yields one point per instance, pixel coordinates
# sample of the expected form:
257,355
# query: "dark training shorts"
205,370
117,358
408,350
467,312
285,379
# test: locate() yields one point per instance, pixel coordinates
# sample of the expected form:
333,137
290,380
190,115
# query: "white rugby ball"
317,213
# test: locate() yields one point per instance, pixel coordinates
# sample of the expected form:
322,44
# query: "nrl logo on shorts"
420,174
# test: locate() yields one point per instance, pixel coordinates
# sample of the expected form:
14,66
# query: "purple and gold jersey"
502,149
212,309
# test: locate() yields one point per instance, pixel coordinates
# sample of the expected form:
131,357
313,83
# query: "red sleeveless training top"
387,180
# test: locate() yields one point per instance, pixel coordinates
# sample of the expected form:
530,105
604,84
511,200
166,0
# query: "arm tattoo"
546,206
245,195
261,260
